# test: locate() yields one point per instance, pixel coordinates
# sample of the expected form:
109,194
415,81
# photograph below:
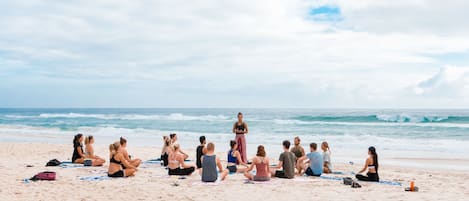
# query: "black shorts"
119,173
280,174
182,172
232,168
310,172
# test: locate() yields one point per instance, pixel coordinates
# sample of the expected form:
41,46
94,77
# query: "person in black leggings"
371,164
176,164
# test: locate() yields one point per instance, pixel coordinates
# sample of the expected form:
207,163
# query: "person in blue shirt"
316,163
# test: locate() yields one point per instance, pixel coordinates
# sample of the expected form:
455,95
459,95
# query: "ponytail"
113,148
375,157
325,144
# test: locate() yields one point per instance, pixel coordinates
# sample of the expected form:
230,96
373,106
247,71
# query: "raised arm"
238,157
365,166
126,163
279,165
126,155
220,167
234,128
251,167
80,152
181,161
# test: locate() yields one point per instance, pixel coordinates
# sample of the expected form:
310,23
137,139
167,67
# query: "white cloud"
449,82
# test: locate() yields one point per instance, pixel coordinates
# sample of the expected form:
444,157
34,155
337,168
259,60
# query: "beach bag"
53,162
48,176
88,162
348,181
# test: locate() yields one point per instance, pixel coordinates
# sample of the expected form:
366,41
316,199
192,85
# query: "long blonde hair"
326,145
113,148
88,139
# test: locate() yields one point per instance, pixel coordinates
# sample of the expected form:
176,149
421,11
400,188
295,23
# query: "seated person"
261,162
89,152
78,154
371,164
135,162
234,157
326,157
299,152
118,166
314,168
167,149
176,163
201,150
173,137
286,163
210,161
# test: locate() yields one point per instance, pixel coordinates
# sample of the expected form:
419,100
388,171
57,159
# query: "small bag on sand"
53,162
48,176
348,181
88,162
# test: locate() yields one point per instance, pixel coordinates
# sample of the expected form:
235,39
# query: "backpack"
48,176
53,162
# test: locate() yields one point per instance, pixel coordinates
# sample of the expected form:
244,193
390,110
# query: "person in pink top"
261,162
240,128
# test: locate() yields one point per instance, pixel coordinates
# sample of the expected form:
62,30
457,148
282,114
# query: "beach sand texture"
152,182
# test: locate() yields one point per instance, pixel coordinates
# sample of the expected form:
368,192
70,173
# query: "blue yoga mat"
95,178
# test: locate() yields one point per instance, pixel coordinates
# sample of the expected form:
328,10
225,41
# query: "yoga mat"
331,178
95,178
200,183
392,183
72,165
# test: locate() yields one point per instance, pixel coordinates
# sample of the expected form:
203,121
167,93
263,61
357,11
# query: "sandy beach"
152,182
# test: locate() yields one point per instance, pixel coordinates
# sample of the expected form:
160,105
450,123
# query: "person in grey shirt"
286,164
210,162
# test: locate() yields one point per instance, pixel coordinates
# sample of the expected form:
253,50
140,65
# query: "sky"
217,53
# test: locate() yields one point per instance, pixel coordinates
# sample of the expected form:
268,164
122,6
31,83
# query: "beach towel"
392,183
200,183
331,178
270,182
71,165
95,178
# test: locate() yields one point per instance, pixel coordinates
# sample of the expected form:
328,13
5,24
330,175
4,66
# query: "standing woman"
89,152
240,128
134,162
371,164
78,154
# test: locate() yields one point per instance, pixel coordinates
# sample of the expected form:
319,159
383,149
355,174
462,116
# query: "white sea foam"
171,117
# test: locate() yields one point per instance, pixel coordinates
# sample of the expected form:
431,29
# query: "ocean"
395,133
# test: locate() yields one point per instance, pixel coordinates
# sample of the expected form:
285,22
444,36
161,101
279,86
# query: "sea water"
395,133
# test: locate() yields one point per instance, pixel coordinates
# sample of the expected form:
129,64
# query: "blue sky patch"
326,13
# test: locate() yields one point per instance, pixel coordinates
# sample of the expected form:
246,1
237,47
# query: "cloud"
449,82
204,53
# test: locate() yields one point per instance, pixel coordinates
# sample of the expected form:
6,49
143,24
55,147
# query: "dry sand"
151,182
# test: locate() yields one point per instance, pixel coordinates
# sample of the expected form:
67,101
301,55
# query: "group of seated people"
121,164
291,162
